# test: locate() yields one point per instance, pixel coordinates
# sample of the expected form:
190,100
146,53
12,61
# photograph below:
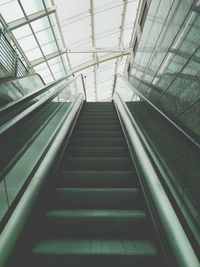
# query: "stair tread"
116,151
93,173
100,178
101,190
96,213
96,246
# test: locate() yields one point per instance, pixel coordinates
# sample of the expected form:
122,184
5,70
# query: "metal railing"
183,130
176,244
16,103
65,91
185,206
19,217
9,58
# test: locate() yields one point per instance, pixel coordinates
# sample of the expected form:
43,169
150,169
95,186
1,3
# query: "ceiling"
59,37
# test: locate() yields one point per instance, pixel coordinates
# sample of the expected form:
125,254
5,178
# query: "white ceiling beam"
109,56
61,35
94,45
93,62
34,35
28,19
47,57
54,35
99,50
120,43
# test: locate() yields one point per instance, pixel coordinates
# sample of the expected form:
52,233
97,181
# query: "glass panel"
34,54
40,24
14,13
49,48
45,36
22,32
32,6
28,43
14,90
124,90
3,200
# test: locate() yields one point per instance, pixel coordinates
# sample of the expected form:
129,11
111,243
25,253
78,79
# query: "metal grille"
9,58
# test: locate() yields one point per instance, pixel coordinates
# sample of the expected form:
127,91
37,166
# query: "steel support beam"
47,57
94,45
99,50
60,52
28,19
93,62
120,43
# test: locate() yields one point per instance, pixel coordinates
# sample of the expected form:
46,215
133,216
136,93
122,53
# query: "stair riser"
90,127
97,199
109,260
96,227
97,142
96,151
93,179
96,134
97,163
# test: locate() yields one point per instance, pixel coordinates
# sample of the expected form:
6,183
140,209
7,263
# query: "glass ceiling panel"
14,13
49,48
75,21
106,16
40,67
77,59
32,6
59,74
40,24
57,67
45,36
22,32
34,54
82,29
54,60
28,43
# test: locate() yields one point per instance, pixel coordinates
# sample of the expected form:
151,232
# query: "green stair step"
95,252
97,134
113,179
90,127
97,163
96,198
97,141
98,122
98,116
97,223
97,151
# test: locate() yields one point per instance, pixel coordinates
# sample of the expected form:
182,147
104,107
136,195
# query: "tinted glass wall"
166,64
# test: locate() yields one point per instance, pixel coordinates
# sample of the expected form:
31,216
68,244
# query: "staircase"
96,215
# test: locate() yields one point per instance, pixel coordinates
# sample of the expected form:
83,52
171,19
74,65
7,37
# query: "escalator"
93,212
81,189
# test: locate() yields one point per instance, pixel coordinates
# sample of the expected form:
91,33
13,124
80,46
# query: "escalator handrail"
29,96
180,247
6,126
179,128
21,213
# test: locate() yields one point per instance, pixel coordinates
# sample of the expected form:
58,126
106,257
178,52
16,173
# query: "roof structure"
57,38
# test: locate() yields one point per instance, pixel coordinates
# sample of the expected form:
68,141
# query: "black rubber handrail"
6,126
32,95
179,128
